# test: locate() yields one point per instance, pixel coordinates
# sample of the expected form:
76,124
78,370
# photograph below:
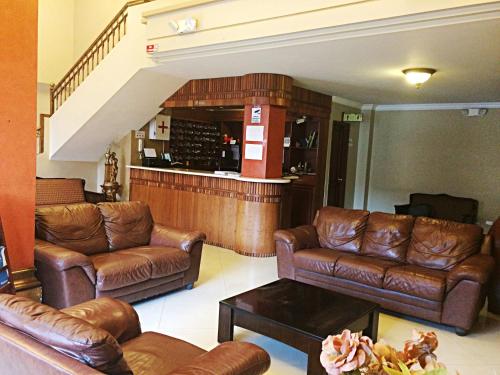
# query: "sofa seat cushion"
318,260
417,281
154,353
165,261
364,270
115,270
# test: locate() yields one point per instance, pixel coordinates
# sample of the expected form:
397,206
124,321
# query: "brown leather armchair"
103,336
84,251
440,206
433,269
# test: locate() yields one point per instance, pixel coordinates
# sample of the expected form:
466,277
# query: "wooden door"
338,164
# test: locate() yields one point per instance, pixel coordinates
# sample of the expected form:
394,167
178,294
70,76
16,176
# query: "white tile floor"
192,315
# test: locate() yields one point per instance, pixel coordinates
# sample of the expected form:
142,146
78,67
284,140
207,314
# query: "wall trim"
463,14
429,106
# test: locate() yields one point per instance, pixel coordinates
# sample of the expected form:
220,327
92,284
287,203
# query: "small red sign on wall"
150,48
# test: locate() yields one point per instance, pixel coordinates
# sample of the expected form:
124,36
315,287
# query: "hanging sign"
256,115
352,117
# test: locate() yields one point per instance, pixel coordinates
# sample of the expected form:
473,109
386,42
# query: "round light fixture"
417,76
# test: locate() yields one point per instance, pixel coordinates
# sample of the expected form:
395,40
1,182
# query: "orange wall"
18,79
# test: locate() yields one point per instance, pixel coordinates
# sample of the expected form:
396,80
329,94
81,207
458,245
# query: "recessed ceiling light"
417,76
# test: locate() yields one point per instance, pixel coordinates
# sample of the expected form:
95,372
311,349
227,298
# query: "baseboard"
26,284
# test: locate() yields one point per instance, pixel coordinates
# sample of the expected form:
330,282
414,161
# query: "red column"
272,119
18,78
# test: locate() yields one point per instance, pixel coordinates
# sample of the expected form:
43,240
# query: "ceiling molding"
346,102
429,106
360,29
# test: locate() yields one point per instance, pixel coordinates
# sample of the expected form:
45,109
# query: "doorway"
338,163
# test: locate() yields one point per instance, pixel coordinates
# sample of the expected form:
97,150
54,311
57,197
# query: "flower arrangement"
350,353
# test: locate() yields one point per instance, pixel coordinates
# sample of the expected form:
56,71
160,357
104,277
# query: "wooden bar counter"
235,212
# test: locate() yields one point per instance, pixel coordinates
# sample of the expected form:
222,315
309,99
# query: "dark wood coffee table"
297,314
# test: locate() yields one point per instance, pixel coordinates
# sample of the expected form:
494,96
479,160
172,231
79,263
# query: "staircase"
113,88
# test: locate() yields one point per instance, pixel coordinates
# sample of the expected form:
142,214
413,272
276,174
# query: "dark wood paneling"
255,88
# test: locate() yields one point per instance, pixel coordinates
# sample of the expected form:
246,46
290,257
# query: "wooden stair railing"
101,46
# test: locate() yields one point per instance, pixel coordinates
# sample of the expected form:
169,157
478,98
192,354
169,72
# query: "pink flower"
345,352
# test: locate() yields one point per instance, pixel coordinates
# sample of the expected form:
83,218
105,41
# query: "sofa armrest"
115,316
302,237
476,268
171,237
62,259
230,358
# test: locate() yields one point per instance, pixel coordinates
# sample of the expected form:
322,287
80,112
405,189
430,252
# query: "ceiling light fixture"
417,76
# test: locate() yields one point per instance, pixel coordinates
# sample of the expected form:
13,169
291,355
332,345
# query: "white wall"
90,19
51,168
55,39
435,152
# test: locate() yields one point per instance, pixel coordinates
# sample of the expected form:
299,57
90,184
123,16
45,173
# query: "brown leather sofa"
429,268
54,191
494,293
103,336
84,251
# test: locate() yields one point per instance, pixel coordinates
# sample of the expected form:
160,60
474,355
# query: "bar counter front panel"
235,213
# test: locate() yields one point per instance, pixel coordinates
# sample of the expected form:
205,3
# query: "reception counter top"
230,175
234,212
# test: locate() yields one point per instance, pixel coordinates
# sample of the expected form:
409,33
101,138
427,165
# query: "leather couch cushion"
127,224
115,270
319,260
154,353
442,244
78,227
164,261
340,229
417,281
387,236
364,270
71,336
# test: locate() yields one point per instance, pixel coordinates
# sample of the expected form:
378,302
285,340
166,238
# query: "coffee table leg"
372,330
226,327
314,366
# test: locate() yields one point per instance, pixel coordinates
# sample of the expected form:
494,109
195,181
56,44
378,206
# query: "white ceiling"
368,69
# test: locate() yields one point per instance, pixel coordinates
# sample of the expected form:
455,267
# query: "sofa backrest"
387,236
341,229
55,191
78,227
127,224
441,244
71,336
